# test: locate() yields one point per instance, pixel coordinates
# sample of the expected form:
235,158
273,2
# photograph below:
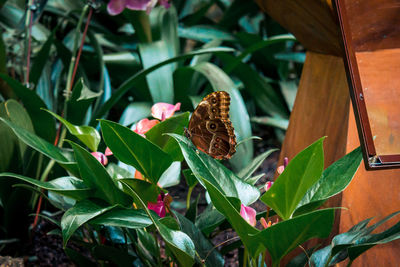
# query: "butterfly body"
210,128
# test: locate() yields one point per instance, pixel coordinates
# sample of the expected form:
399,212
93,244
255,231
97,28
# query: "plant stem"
189,194
263,258
245,257
28,38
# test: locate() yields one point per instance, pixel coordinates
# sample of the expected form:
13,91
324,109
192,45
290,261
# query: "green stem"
28,37
43,178
189,194
349,263
328,261
245,257
263,258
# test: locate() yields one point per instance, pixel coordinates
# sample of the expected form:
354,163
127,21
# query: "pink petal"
158,208
144,125
100,157
108,152
249,214
164,111
137,4
285,162
268,185
150,5
164,3
115,7
280,169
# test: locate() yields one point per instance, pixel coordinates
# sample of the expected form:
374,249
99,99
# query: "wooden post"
322,109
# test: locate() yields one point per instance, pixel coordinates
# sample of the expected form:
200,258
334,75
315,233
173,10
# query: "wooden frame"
355,40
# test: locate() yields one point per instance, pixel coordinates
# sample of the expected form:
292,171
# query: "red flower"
144,125
100,157
162,205
249,214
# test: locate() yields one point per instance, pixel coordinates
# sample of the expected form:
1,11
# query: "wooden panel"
374,23
380,80
313,22
321,109
371,194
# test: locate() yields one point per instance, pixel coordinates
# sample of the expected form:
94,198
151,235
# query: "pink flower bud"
268,185
162,205
280,169
264,223
108,152
145,125
100,157
249,214
163,111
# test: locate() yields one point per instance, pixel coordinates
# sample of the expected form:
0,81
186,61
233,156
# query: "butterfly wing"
210,129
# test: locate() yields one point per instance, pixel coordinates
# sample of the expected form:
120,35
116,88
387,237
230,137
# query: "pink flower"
249,214
144,125
108,152
100,157
115,7
268,185
282,167
164,111
266,224
162,205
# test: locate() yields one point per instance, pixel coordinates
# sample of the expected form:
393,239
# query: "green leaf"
277,122
119,257
129,218
246,172
171,176
178,242
157,134
206,168
291,186
204,33
88,135
265,96
220,81
79,214
13,111
95,176
165,45
40,60
44,147
241,226
80,101
129,83
67,186
43,122
9,146
209,219
203,246
334,179
285,236
189,177
135,112
148,192
131,148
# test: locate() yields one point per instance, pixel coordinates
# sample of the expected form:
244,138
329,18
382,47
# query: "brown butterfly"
210,129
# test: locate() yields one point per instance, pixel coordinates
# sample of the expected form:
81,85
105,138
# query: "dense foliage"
110,181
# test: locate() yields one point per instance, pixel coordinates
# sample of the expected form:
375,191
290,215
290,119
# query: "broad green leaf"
220,81
128,218
291,186
42,122
263,93
165,45
131,148
157,134
135,112
67,186
44,147
96,177
209,219
148,192
171,176
115,256
9,146
277,122
356,241
204,33
80,101
246,172
13,111
40,60
206,168
178,242
289,91
285,236
78,258
129,83
117,172
240,225
88,135
79,214
189,177
334,179
203,246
